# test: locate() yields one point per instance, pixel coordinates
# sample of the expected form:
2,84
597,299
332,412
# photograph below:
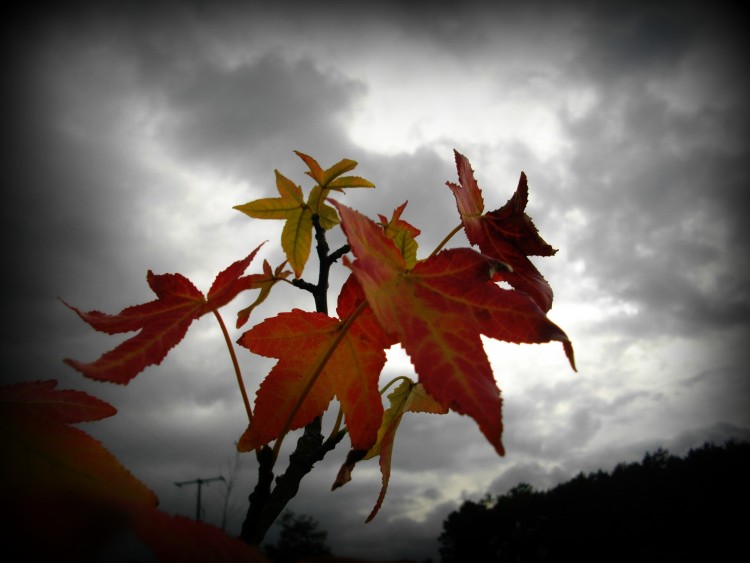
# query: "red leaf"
507,234
300,340
45,455
265,283
41,401
178,539
71,499
438,310
163,322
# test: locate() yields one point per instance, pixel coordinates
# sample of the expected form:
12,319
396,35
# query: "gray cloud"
109,107
656,168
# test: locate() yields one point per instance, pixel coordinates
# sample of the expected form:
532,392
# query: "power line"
200,483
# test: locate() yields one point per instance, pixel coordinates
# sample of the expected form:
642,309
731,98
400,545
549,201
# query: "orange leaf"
162,323
438,310
301,340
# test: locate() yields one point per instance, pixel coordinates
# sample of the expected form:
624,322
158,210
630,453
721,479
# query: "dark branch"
338,253
321,293
310,449
265,504
307,286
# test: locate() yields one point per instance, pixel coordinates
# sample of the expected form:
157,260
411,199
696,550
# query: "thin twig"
236,365
445,240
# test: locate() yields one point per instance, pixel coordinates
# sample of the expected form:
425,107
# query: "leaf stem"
236,365
337,424
445,240
343,329
394,380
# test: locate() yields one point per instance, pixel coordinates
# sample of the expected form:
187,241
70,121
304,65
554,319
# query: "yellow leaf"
350,182
296,239
337,170
326,214
316,172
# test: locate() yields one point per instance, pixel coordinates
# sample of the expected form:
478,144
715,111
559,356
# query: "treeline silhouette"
299,538
662,509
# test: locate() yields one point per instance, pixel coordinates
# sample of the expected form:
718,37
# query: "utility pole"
200,483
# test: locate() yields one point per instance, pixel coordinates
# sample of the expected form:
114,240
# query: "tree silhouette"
662,509
299,538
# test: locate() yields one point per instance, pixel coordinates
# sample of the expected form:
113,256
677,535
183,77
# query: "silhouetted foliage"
662,509
299,538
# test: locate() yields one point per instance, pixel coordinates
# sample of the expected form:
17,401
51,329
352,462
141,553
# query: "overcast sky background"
131,134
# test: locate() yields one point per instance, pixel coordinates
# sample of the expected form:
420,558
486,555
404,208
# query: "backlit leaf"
265,283
297,234
438,310
326,214
402,234
329,179
162,323
349,182
407,397
507,234
300,340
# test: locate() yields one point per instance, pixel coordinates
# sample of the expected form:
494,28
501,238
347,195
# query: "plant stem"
236,365
321,293
394,380
337,425
266,504
445,240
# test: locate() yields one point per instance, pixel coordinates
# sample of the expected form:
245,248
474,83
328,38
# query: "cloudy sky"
131,134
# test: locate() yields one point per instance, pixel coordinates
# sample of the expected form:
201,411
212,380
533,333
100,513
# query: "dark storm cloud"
659,165
246,115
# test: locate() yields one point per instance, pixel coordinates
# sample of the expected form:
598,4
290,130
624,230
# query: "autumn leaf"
71,498
327,215
177,539
44,454
402,234
265,283
162,323
56,481
41,401
350,298
296,236
298,212
300,340
330,178
507,234
438,310
407,397
296,390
